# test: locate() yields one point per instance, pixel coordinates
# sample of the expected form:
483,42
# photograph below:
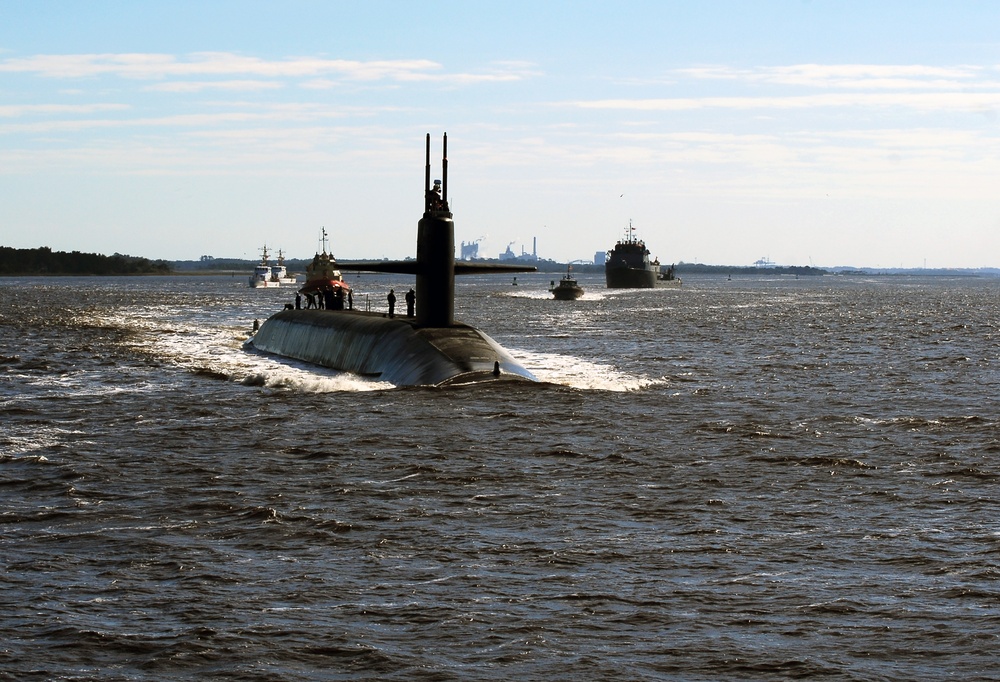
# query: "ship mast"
323,239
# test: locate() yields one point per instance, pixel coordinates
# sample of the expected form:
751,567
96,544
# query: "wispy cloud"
154,66
151,66
854,76
934,101
199,86
17,110
179,121
235,113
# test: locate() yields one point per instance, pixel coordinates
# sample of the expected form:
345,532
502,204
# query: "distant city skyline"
802,132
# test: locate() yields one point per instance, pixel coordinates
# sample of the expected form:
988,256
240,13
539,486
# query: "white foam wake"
217,350
579,373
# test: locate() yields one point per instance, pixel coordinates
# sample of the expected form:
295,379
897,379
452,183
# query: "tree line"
45,261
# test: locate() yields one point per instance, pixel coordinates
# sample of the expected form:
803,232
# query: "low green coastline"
45,261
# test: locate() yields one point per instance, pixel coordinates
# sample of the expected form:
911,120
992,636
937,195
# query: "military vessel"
266,275
628,265
430,348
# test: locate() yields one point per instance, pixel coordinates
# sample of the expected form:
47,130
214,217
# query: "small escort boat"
668,277
567,289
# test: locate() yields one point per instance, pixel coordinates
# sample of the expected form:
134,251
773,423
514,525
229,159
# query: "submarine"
428,349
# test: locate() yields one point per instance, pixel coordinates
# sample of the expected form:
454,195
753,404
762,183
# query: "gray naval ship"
428,349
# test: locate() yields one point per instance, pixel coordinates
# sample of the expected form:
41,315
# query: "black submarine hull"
393,349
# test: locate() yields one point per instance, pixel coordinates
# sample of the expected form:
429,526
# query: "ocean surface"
757,478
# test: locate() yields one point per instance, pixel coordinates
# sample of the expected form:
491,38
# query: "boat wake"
216,352
575,372
546,295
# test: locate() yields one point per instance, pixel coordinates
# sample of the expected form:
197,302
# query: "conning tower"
435,275
435,267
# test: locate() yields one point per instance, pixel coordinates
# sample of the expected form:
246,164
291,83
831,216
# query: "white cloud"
211,64
17,110
152,66
842,75
280,114
181,121
914,77
198,86
931,101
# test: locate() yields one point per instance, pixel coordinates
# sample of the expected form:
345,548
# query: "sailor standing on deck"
392,302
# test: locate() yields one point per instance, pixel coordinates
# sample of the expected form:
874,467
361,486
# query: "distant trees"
699,268
45,261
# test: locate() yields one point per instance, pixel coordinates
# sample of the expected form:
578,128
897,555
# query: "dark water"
749,479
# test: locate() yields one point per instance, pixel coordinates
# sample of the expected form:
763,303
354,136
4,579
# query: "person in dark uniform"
392,302
411,297
435,201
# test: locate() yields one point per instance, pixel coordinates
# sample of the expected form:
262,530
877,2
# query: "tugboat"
628,265
567,289
668,276
324,282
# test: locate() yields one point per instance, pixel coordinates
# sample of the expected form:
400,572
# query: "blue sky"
803,131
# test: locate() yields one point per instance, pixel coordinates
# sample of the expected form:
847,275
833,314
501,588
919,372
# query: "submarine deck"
393,349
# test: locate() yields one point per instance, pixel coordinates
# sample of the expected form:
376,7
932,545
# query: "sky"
804,132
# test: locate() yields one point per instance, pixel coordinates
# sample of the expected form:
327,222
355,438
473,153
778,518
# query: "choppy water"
748,479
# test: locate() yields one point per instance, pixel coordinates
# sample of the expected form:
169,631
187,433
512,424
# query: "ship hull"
264,284
396,350
630,278
567,293
314,285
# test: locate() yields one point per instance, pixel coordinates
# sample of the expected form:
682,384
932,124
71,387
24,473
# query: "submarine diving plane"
429,349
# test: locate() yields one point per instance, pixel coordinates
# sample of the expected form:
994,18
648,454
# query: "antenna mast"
427,176
444,170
